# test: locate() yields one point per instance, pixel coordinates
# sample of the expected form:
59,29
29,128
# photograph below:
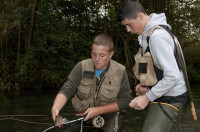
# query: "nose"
128,29
97,57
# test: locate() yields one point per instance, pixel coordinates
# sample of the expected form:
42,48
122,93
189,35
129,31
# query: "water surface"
40,103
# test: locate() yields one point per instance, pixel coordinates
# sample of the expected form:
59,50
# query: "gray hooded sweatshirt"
161,47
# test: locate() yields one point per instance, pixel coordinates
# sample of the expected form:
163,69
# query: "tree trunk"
32,23
18,45
1,45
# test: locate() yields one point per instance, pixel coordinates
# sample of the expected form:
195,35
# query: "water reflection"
40,104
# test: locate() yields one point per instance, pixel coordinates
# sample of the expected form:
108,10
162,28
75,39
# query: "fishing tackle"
98,122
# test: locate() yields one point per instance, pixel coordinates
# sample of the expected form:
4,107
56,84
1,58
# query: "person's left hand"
91,113
139,103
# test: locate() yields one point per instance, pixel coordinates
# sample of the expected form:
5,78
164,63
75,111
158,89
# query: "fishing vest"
89,94
145,71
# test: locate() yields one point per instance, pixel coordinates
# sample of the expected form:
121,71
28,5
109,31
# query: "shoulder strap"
151,31
176,53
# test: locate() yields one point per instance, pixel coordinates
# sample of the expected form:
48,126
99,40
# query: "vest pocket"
81,101
79,105
144,69
108,93
84,89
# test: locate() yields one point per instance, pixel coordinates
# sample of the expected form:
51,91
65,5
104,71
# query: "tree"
41,41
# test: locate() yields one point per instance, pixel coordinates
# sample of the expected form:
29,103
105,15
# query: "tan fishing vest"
89,95
144,67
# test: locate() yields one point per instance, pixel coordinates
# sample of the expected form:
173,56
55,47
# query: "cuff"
151,96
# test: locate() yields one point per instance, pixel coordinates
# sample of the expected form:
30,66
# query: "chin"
98,67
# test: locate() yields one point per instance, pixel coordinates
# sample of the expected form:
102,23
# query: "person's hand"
140,90
54,113
91,113
139,103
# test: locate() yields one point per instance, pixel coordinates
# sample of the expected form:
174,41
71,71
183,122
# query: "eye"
102,55
99,55
93,54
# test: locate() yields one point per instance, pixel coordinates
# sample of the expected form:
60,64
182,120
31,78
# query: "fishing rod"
184,70
10,116
97,122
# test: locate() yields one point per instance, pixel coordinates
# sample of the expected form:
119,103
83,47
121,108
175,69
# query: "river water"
40,103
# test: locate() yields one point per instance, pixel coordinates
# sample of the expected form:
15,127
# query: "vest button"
90,95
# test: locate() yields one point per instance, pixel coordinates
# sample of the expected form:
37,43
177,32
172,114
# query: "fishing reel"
98,122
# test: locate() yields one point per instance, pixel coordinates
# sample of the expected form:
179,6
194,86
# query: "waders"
162,117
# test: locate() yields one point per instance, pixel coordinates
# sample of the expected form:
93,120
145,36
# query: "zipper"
98,88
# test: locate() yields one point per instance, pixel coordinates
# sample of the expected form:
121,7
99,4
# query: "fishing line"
7,116
11,117
25,121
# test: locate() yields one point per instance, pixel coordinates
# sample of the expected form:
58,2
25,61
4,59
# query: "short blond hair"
105,40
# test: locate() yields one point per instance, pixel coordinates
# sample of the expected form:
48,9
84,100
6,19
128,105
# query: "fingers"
137,87
137,90
54,113
138,93
91,113
132,104
139,103
86,118
140,90
87,115
135,104
144,90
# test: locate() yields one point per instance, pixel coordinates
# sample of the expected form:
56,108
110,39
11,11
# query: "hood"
156,19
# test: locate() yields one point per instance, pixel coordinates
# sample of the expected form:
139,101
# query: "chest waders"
164,117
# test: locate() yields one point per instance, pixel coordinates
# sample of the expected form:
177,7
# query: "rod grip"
194,115
79,115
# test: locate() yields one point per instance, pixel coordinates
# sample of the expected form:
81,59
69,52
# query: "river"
40,103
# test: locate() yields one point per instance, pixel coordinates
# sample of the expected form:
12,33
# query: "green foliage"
63,33
192,53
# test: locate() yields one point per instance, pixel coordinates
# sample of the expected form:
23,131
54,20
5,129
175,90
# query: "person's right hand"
54,113
91,113
140,90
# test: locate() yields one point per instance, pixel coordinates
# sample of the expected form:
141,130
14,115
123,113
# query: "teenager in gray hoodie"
168,95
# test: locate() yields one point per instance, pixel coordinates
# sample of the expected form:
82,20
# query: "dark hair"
129,9
105,40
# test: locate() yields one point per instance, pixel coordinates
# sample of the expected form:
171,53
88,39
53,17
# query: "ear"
140,16
111,54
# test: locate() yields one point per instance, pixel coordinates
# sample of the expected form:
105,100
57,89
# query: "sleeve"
125,93
162,50
70,87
